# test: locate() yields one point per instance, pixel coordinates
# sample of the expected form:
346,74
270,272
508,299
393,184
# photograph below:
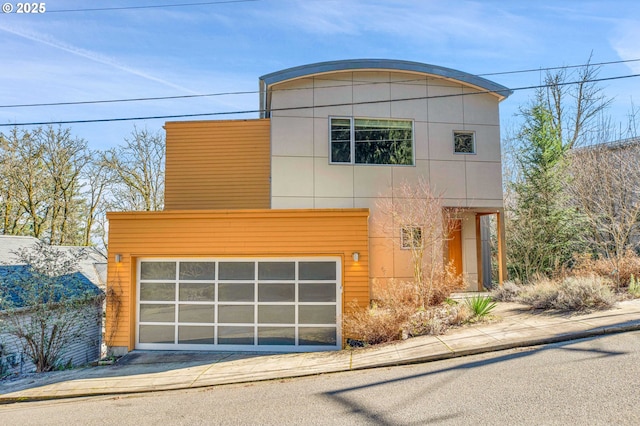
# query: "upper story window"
371,141
464,143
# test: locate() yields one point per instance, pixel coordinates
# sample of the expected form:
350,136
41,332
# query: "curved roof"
382,64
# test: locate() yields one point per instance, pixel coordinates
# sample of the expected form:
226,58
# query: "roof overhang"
482,84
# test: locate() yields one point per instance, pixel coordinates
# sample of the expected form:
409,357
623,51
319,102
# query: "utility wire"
155,6
251,92
211,114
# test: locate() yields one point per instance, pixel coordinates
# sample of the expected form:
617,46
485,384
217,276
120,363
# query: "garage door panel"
236,292
198,335
236,335
283,304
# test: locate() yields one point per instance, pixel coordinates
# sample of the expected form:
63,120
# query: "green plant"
634,286
480,306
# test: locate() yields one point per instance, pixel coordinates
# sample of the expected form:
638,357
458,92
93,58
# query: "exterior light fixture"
355,256
118,258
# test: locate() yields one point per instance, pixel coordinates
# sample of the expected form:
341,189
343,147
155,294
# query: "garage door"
239,304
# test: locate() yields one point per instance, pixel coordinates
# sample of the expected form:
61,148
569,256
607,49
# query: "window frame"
473,140
352,140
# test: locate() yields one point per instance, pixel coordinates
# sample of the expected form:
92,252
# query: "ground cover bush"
578,293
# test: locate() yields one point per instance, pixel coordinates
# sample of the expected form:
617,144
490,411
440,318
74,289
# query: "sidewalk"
146,371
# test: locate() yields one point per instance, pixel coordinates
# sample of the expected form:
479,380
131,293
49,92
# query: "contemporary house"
267,235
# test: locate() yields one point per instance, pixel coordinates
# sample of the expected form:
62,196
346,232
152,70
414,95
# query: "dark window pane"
317,293
235,314
276,292
317,314
236,292
196,335
196,313
276,336
197,292
157,334
235,336
317,270
317,336
463,143
383,142
276,314
236,270
277,271
157,270
197,270
340,140
151,312
157,291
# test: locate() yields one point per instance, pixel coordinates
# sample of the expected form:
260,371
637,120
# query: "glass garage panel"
235,313
152,312
196,335
197,292
197,271
157,270
317,314
234,292
325,292
317,270
276,271
236,270
253,303
157,334
276,292
235,335
157,291
276,314
317,336
276,336
196,313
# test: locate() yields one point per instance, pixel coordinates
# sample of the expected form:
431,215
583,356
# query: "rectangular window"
464,143
411,237
371,141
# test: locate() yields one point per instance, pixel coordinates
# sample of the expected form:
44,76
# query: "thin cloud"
93,56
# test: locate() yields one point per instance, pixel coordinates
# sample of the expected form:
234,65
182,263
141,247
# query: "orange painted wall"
221,164
234,233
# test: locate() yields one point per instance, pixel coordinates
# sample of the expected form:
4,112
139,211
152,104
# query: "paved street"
592,381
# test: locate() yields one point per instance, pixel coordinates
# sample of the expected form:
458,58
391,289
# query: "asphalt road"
591,381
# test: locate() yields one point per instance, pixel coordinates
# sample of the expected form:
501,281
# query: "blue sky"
60,56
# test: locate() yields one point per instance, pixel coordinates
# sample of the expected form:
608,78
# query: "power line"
211,114
251,92
155,6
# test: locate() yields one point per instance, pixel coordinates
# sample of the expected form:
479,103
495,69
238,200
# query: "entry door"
455,245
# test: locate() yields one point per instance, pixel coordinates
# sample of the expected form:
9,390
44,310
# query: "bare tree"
415,219
138,169
605,187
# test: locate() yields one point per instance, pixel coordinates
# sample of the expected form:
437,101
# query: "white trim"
296,347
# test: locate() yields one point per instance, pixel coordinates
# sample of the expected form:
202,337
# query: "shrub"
480,306
436,319
572,294
627,266
508,292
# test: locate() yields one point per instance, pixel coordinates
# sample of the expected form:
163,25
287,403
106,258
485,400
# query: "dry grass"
569,294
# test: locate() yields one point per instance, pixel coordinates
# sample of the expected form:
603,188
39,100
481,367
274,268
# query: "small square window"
411,237
464,143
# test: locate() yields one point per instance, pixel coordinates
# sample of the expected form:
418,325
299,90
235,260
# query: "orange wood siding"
233,233
221,164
